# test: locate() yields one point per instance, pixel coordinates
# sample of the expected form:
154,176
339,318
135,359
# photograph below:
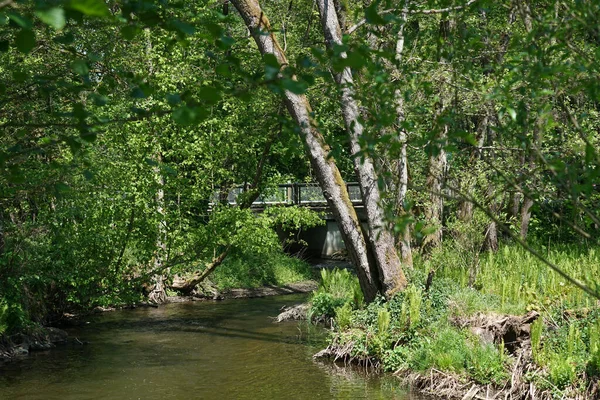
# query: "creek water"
199,350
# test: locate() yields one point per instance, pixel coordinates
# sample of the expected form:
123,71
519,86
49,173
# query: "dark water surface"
200,350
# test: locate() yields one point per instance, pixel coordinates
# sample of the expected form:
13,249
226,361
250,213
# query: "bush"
486,363
338,293
241,270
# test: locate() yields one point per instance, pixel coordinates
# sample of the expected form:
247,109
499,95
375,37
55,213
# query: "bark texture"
435,184
328,175
380,239
403,240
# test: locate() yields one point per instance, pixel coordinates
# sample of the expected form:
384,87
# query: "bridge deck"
300,194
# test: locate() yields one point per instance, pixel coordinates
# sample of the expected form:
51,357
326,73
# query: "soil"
211,293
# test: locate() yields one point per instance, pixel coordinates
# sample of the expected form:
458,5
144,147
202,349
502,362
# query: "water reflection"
201,350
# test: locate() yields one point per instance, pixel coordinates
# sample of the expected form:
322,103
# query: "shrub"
338,289
486,363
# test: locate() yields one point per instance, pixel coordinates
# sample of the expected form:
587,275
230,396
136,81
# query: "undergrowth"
251,271
416,331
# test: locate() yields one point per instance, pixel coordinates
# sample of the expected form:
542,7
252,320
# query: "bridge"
323,241
299,194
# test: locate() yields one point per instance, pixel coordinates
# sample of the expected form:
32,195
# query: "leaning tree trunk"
380,239
328,175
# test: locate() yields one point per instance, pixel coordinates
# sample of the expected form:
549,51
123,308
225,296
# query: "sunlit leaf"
55,17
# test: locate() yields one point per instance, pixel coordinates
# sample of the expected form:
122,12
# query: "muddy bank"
21,344
207,292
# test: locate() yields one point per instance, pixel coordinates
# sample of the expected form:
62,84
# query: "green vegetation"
135,135
251,271
423,331
338,294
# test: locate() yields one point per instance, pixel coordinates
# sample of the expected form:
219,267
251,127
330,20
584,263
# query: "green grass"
519,281
338,294
414,330
274,268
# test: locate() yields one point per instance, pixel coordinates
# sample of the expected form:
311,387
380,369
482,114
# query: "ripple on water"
200,350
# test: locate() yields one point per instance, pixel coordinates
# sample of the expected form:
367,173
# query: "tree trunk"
380,239
525,216
328,175
186,286
491,238
158,292
435,183
403,239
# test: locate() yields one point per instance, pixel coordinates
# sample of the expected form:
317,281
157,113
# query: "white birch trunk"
381,241
328,175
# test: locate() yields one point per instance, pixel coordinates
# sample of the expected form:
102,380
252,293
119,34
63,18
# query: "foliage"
338,290
248,270
514,281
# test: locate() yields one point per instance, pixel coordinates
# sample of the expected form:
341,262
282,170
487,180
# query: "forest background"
474,125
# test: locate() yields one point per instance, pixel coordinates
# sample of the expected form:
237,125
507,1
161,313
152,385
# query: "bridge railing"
301,194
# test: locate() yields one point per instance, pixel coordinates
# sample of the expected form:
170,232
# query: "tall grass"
274,268
520,281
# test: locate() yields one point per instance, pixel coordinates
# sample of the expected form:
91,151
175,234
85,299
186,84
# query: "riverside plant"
518,288
419,331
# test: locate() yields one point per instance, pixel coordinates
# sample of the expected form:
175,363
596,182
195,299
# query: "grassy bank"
251,271
454,337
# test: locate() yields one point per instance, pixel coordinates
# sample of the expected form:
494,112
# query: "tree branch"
412,12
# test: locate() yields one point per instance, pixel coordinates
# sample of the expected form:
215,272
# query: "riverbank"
22,344
39,338
517,332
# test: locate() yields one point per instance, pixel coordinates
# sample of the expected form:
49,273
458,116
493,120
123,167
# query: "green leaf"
67,38
20,76
62,187
80,67
372,16
138,93
89,175
271,60
210,94
223,70
590,153
271,66
173,98
25,40
99,99
93,8
129,32
184,115
21,21
89,137
293,86
4,20
4,45
182,27
55,17
355,60
513,114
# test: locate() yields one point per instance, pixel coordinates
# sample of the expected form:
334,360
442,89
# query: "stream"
230,349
